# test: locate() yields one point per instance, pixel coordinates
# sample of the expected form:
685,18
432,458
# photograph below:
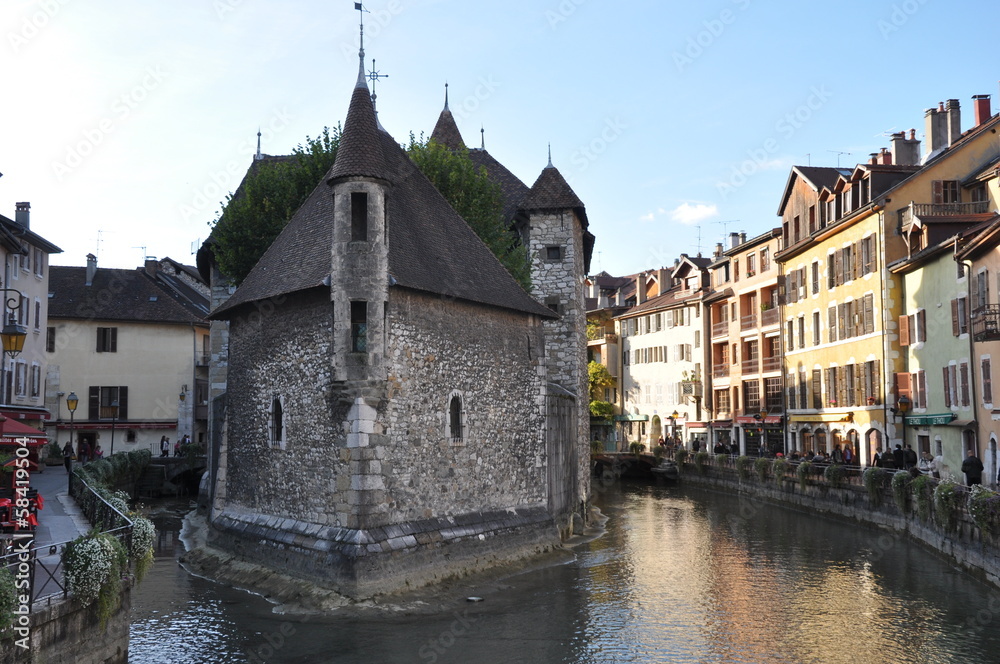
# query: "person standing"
898,457
910,459
68,456
164,446
973,469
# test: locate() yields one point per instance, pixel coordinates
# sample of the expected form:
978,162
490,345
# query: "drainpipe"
886,318
972,365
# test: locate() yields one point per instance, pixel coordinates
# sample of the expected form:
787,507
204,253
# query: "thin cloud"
689,214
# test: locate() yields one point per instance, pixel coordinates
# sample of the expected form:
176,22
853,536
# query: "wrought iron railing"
986,323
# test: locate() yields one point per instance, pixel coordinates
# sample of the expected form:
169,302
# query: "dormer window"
359,216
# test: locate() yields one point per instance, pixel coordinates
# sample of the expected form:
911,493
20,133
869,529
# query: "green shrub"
8,599
984,508
921,490
874,480
680,456
636,448
743,465
946,501
701,462
596,447
720,460
835,474
780,468
803,472
659,452
901,489
762,466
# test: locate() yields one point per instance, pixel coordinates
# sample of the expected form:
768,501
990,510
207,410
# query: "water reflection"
680,576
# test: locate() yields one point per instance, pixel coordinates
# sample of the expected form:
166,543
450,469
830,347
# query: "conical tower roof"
446,130
360,150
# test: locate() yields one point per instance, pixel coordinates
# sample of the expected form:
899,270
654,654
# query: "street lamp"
903,404
71,402
673,425
114,421
12,337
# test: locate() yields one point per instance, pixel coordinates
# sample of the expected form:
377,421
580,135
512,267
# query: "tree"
476,198
598,376
270,194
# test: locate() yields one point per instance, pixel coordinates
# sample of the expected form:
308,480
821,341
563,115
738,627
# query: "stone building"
397,408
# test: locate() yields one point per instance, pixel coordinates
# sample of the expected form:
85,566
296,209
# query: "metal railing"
748,322
769,317
917,210
720,329
986,323
46,578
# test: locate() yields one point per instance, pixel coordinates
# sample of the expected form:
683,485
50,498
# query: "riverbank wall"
64,631
956,537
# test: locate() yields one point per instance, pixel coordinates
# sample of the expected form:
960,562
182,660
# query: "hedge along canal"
942,515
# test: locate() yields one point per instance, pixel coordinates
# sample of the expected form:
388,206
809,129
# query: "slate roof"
431,248
552,192
446,131
512,188
135,297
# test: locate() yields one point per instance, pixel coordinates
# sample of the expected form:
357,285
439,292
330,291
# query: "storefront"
763,436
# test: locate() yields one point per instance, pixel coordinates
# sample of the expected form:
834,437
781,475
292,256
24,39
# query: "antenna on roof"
839,155
699,240
725,224
809,159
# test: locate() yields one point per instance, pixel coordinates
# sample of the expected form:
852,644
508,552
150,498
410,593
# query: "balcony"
721,370
769,317
202,360
748,323
750,367
986,323
918,210
720,329
772,364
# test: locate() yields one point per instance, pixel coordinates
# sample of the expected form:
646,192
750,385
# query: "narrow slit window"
359,327
359,217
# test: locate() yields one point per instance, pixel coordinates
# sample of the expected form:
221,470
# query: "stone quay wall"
965,545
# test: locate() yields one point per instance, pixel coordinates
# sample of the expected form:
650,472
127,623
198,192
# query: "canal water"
681,575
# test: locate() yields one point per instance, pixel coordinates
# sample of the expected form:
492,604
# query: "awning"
12,430
722,424
819,418
964,424
631,418
927,420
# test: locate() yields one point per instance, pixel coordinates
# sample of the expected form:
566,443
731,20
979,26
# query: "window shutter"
987,382
954,318
832,316
123,403
869,314
831,280
904,331
964,378
838,266
859,385
94,404
922,387
114,340
902,385
921,321
937,191
841,385
947,387
842,321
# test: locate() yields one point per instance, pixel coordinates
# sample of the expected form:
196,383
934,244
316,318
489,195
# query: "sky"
125,125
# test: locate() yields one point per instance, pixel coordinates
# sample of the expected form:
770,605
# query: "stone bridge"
170,475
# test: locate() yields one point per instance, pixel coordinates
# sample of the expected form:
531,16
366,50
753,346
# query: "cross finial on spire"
258,156
374,77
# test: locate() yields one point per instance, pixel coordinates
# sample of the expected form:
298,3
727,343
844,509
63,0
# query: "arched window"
456,419
277,423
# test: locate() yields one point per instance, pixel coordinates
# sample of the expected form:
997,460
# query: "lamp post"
71,402
114,421
903,404
12,337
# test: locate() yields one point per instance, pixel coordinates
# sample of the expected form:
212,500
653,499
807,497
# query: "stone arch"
873,441
655,430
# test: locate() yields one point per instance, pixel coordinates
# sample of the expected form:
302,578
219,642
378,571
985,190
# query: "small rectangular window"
553,253
359,327
359,216
107,340
50,340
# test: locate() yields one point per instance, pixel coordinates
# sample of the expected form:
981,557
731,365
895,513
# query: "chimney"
983,112
640,288
954,121
873,158
22,214
905,152
743,238
91,268
935,129
734,240
664,279
885,157
152,266
718,250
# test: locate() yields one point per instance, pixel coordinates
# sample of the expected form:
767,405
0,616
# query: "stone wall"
63,631
561,282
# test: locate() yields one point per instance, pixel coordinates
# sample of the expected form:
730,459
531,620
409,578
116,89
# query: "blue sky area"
126,124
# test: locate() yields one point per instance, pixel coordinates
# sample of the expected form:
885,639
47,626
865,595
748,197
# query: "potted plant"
871,401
